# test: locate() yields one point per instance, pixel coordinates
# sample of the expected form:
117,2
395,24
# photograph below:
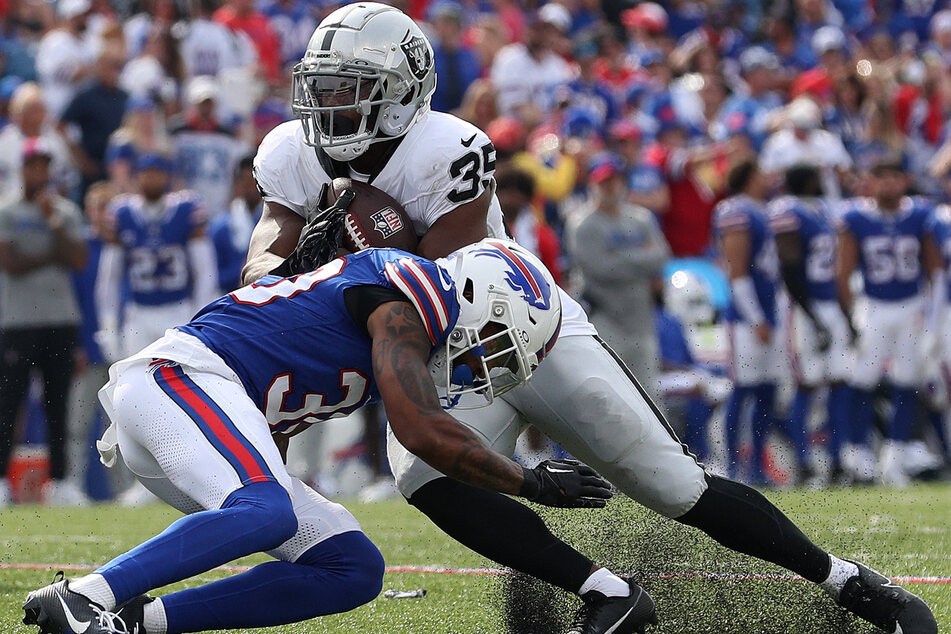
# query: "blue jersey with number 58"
294,344
810,220
154,241
889,245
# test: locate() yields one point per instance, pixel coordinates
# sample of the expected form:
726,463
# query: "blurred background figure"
230,231
41,242
619,251
749,262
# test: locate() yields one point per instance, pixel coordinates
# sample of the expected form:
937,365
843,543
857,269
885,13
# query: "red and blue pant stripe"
213,423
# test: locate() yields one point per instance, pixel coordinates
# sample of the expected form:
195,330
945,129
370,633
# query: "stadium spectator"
687,221
206,150
755,100
240,15
457,65
479,104
64,58
142,130
230,232
28,119
40,243
208,47
157,72
645,182
95,113
524,74
619,251
516,191
8,86
293,23
803,141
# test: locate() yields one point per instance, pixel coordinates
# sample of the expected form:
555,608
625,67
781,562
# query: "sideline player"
363,107
819,332
157,244
200,415
749,255
884,237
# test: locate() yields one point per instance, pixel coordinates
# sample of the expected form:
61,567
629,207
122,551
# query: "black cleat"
615,615
59,610
887,606
132,614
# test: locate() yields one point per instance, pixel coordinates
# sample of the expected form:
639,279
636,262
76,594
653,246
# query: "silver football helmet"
367,76
509,319
689,298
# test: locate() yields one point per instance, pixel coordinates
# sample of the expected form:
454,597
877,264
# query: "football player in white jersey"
362,94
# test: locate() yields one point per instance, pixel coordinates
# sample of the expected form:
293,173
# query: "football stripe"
442,314
404,286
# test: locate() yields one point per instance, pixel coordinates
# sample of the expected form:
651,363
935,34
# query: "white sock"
839,572
605,582
95,588
154,619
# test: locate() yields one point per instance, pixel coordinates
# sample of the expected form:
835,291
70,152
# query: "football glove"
565,484
320,238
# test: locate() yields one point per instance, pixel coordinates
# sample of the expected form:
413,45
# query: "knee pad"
271,508
355,562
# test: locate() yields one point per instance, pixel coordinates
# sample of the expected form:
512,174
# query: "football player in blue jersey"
749,254
366,116
937,352
819,331
202,416
883,237
158,249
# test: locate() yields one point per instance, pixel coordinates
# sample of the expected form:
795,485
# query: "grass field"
693,580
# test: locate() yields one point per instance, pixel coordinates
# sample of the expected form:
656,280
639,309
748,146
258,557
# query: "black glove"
565,484
823,337
319,239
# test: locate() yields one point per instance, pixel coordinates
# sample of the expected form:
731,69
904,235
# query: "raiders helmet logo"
418,56
387,222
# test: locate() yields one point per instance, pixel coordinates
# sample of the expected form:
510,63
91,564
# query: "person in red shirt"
240,15
687,221
516,191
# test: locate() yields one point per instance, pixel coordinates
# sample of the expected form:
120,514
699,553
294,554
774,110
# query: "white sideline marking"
440,570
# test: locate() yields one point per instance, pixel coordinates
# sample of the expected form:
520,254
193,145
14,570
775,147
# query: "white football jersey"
442,162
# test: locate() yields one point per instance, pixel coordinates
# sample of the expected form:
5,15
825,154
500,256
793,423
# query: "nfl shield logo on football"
417,54
387,222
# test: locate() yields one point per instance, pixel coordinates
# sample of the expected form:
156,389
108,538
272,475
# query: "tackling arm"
273,239
401,348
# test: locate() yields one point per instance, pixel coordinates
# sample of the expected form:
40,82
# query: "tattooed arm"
401,349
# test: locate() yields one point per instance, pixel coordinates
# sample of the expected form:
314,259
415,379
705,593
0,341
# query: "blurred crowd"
617,126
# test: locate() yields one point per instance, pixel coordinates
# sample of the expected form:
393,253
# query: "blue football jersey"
889,245
154,243
294,345
744,213
810,219
939,226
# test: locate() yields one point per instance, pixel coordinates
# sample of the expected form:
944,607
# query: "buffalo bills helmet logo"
522,275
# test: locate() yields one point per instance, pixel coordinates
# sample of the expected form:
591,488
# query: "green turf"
899,532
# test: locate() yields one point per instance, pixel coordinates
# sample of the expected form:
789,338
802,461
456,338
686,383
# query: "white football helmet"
509,319
364,58
689,298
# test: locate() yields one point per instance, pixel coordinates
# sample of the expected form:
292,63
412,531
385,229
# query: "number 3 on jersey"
474,168
260,294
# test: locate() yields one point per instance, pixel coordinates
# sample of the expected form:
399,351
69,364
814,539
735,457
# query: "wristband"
745,301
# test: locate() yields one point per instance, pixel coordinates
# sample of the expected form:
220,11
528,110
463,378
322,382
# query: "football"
374,219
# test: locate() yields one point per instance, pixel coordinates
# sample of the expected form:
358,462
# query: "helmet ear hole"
467,292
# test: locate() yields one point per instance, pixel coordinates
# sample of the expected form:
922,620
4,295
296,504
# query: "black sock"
503,530
740,518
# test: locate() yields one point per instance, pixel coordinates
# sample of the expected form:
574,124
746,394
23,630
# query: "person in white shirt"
28,120
804,143
64,58
523,73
